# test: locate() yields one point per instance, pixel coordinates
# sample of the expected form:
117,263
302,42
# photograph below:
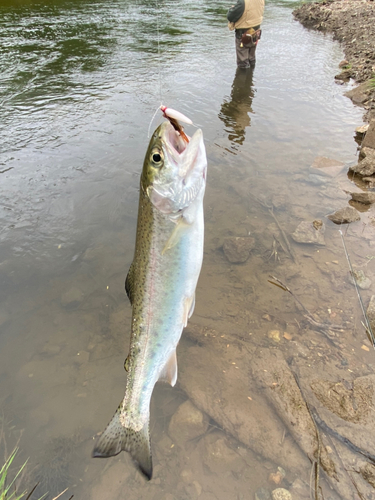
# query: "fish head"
174,170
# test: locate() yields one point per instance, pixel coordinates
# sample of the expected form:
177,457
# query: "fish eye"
157,157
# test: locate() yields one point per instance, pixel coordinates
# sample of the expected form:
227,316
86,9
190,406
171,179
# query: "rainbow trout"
161,282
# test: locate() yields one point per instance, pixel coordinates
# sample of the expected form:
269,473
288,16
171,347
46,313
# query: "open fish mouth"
175,140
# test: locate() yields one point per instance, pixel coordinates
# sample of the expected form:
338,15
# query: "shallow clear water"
79,85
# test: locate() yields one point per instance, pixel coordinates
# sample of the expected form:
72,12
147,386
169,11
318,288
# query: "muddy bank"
352,23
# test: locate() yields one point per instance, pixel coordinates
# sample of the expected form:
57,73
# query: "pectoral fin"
169,372
180,226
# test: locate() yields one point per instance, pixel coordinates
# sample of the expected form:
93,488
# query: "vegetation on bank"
8,488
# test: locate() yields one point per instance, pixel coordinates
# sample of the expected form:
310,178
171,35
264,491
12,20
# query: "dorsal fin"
129,283
169,372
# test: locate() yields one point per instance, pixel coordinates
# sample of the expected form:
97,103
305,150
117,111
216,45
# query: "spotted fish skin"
160,284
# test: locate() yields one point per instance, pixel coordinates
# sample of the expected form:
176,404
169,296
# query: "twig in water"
270,210
367,325
32,491
317,463
327,329
58,496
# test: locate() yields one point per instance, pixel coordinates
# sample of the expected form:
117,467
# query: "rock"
365,197
362,129
327,166
237,249
262,494
366,166
362,281
369,140
281,494
187,476
310,233
358,95
344,216
343,63
278,476
345,75
368,473
338,398
371,312
72,298
274,335
370,180
218,456
187,423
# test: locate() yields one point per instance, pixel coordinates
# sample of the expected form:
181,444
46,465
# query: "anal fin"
169,372
189,306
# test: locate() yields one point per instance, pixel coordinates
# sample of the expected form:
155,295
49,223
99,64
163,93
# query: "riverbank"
352,23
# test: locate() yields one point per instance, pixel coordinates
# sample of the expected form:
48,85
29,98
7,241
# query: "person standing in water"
245,18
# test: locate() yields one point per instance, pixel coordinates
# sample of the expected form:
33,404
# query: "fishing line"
159,66
367,325
158,39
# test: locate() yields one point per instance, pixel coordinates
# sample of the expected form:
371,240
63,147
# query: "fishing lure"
175,117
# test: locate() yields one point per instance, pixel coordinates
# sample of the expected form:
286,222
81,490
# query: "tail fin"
117,438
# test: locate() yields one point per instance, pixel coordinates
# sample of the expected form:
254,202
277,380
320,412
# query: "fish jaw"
182,172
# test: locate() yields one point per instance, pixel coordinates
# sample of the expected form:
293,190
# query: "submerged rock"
237,249
362,281
278,476
262,494
219,457
310,233
368,473
344,216
281,494
327,166
187,423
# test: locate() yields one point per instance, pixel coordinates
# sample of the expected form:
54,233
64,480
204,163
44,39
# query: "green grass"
372,82
8,491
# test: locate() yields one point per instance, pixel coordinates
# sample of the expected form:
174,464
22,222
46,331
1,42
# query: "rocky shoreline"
352,23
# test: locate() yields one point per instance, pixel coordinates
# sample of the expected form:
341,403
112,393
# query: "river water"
80,82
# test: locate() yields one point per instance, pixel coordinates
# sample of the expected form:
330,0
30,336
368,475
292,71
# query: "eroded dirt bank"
352,23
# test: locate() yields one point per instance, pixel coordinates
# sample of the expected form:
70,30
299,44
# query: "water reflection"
235,113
